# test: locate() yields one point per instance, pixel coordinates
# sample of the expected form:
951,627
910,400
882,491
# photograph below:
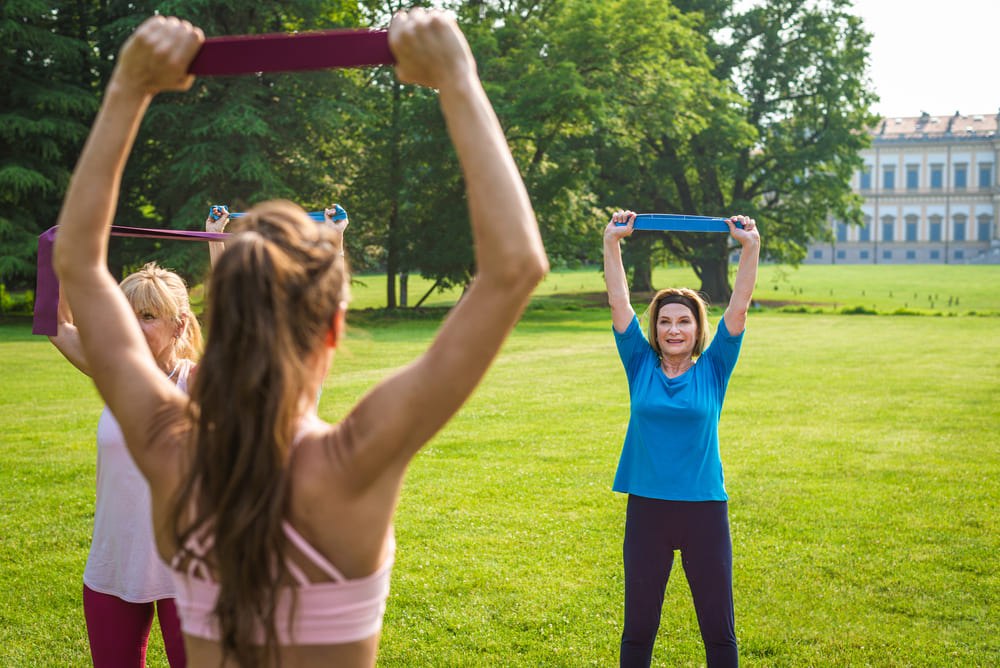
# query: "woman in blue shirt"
670,465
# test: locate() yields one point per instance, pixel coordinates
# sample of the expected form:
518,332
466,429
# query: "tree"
784,155
230,140
47,102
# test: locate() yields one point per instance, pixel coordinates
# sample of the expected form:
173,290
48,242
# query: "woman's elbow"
527,270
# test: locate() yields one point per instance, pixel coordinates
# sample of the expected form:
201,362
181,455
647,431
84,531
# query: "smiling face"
676,330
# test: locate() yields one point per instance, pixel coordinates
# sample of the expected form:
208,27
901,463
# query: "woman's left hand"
746,234
337,226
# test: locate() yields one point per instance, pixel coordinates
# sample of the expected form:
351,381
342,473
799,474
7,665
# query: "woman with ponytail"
277,525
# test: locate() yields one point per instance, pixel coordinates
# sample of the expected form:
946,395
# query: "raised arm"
404,411
67,338
614,271
746,273
338,226
218,217
154,58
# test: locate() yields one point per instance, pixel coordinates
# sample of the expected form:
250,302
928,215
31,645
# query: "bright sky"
938,56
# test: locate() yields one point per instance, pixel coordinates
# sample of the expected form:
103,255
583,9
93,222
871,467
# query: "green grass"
860,452
923,289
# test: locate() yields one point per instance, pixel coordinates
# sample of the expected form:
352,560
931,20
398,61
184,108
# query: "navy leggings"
700,530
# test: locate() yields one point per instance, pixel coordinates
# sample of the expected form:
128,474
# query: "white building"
931,187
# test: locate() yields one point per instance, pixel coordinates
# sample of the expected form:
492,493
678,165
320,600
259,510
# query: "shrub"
23,304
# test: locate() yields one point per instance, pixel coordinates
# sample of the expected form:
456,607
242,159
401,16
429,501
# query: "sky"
938,56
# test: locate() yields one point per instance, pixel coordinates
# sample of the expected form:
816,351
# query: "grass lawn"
860,452
925,289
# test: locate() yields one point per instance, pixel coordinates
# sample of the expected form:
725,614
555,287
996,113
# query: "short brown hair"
695,303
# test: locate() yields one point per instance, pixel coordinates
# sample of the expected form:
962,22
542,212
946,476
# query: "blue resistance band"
318,216
668,222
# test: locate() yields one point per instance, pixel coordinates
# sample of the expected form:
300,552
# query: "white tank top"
123,559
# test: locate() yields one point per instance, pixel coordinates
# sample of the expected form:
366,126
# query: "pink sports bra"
333,612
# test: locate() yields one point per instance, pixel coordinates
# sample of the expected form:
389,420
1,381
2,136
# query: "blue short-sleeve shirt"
671,448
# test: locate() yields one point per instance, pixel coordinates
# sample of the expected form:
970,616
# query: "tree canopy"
705,107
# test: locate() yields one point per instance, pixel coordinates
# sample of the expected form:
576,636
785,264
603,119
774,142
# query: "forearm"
507,243
746,278
67,341
215,249
614,272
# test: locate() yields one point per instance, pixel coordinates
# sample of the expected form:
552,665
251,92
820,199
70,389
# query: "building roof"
925,126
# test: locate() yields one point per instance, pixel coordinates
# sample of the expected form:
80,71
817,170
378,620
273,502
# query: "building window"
961,172
958,228
841,255
888,227
889,177
937,174
959,255
818,255
985,174
886,255
863,255
911,228
935,255
912,177
865,233
911,255
985,228
866,178
935,228
842,232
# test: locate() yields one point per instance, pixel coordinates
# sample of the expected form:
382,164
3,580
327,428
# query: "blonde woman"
125,582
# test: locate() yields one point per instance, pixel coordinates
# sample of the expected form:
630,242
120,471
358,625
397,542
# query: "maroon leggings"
119,630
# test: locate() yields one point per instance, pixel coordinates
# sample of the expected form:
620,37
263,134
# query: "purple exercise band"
45,319
284,52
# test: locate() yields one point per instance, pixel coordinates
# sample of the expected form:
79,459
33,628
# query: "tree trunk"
638,256
395,182
714,272
404,288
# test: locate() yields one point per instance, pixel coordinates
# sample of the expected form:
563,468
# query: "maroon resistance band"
46,319
283,52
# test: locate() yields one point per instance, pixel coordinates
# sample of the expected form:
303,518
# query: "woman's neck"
169,365
674,366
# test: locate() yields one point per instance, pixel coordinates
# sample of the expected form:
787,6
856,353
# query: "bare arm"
614,271
215,248
746,273
67,338
511,261
155,58
338,226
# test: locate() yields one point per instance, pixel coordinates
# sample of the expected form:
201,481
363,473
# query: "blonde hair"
163,293
687,297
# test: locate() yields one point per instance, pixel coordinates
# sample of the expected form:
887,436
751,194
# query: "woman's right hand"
615,231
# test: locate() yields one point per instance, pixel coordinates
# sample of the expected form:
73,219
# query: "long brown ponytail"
273,294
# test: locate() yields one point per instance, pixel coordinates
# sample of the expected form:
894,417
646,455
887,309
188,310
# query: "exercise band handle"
669,222
318,216
285,52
